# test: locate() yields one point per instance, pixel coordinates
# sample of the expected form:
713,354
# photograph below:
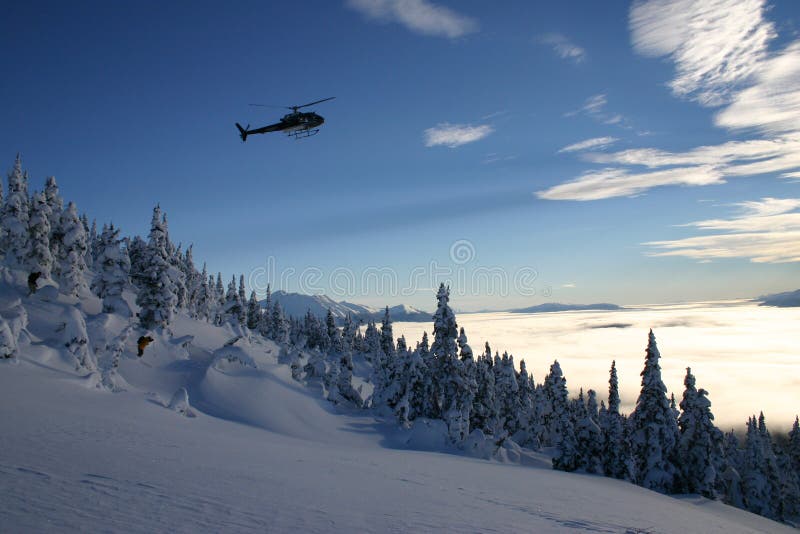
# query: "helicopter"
297,124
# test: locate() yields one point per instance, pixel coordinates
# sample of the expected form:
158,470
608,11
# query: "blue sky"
557,140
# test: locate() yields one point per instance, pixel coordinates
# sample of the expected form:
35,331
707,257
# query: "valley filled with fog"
747,356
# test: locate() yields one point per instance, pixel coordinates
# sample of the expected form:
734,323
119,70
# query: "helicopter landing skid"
301,134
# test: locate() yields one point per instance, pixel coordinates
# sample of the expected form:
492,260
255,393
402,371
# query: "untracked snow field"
260,452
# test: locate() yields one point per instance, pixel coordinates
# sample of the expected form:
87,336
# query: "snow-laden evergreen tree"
137,252
342,386
443,348
731,476
561,431
8,343
112,271
616,447
280,326
789,504
654,429
234,309
92,242
204,297
14,218
349,331
506,389
411,382
700,447
156,296
243,300
336,345
265,327
192,280
588,436
387,336
39,258
794,444
757,488
526,434
73,253
253,312
771,469
484,406
56,205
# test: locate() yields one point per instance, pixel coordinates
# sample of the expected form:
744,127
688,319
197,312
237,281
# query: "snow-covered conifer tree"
387,337
156,297
588,436
73,252
561,430
506,390
484,406
204,297
280,326
265,327
113,270
8,343
757,489
616,447
234,309
253,312
653,427
700,448
39,258
14,218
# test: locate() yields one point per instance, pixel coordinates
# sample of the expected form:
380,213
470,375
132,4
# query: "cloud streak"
765,231
455,135
594,107
595,142
609,183
715,44
563,47
419,16
720,52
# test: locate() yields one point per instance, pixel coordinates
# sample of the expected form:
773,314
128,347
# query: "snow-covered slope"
297,304
253,450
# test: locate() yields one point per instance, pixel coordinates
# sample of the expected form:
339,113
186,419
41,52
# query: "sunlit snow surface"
263,453
747,356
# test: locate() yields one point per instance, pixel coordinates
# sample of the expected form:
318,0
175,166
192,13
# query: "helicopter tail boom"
242,132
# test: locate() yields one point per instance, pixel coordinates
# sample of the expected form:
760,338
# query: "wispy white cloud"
419,16
565,48
569,286
715,44
454,135
608,183
595,142
594,107
765,231
761,89
772,103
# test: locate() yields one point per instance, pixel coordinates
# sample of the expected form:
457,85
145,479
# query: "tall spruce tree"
156,296
14,218
700,447
73,252
654,429
39,258
113,270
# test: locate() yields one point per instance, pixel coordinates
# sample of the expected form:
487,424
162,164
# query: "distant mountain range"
789,299
558,307
297,304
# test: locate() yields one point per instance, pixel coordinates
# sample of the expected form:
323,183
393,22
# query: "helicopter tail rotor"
242,131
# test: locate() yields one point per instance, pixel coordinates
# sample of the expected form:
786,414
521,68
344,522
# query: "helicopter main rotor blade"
312,103
268,106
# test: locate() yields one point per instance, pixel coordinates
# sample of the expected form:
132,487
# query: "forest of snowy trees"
664,444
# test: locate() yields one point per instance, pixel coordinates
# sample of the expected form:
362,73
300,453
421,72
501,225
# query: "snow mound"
180,403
